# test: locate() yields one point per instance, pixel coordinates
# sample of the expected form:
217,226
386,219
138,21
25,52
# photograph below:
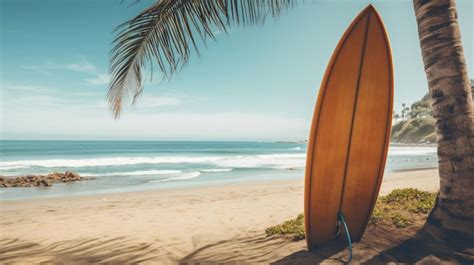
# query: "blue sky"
256,83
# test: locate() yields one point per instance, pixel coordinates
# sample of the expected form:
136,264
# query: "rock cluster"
39,180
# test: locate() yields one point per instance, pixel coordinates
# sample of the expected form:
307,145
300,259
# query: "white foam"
283,160
133,173
13,167
411,150
295,148
108,161
216,170
289,167
247,161
188,175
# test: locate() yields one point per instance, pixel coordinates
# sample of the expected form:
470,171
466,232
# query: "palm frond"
166,32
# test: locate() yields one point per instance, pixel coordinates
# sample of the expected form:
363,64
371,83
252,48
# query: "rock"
71,176
55,176
43,183
39,180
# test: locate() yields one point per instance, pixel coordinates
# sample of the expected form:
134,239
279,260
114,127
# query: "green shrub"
413,200
293,227
377,216
399,220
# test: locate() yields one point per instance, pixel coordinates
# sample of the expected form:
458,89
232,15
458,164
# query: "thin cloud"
15,96
166,100
158,101
82,66
42,69
100,79
87,123
38,97
24,88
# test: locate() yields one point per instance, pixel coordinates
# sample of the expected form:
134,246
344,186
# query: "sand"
217,224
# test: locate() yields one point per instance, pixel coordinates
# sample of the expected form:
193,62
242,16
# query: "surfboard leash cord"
342,221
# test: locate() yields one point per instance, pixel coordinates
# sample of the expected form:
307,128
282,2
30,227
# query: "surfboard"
350,132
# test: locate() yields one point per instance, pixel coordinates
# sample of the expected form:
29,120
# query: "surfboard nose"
370,7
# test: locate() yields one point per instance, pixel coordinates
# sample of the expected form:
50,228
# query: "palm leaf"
165,33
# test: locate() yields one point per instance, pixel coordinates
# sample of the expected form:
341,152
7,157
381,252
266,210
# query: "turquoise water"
123,166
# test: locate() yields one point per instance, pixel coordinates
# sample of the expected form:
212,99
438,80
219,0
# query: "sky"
256,83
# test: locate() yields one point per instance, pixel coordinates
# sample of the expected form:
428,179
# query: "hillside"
415,123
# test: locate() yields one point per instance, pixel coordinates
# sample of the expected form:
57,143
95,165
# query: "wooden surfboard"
350,132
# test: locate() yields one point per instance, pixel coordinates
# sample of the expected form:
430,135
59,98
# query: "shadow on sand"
261,249
88,251
377,247
425,249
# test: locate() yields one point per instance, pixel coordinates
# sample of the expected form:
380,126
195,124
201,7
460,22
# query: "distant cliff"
415,123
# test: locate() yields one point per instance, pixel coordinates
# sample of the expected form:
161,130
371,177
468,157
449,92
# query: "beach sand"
217,224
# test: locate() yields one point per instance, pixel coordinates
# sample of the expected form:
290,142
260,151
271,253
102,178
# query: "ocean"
125,166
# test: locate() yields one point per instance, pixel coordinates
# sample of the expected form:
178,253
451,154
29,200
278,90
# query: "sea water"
124,166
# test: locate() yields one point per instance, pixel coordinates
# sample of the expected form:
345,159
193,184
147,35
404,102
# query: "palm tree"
396,117
167,31
407,113
451,101
404,111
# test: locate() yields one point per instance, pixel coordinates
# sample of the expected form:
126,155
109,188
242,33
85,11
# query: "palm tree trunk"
451,100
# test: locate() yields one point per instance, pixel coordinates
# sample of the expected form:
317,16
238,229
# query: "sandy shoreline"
210,224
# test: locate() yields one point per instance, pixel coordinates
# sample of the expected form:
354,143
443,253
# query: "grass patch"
400,208
413,200
293,227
